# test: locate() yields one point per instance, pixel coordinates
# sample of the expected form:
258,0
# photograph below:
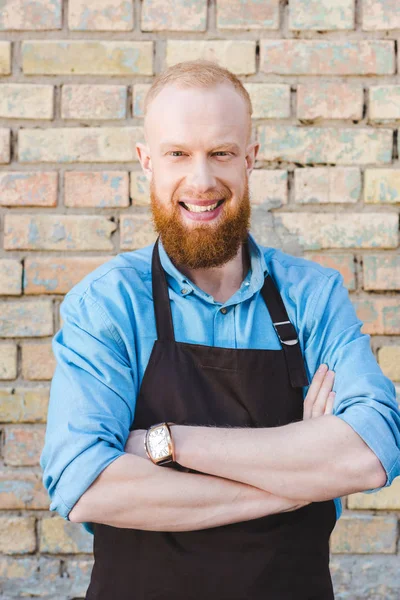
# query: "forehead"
197,114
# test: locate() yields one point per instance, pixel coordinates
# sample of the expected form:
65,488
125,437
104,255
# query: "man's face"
198,161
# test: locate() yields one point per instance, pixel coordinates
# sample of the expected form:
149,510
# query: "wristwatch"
159,445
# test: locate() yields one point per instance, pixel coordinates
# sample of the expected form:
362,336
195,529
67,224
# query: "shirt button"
224,310
184,291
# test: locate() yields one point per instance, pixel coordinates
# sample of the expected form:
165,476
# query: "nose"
201,178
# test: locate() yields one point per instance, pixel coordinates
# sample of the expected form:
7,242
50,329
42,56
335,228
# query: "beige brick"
247,14
79,144
139,189
380,314
79,572
325,144
5,58
58,274
26,15
322,185
5,140
386,499
321,15
96,189
381,272
38,361
8,361
239,56
380,14
344,263
22,490
58,536
139,94
26,101
364,534
23,405
384,102
17,535
22,575
23,445
327,57
64,57
268,187
136,231
26,319
382,186
93,102
25,188
327,100
316,231
167,15
389,361
269,101
102,15
57,232
10,277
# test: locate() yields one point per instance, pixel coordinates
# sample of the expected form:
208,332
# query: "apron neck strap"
162,308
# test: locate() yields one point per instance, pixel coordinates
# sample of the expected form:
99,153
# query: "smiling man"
183,430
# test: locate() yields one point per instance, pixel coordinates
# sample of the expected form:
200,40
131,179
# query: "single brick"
324,144
380,14
96,189
79,573
380,314
26,101
167,15
5,140
139,189
247,14
5,58
8,361
381,272
139,94
56,57
23,445
364,534
136,231
344,263
269,101
24,188
10,277
327,100
23,405
385,499
322,185
17,535
41,574
26,319
316,231
22,490
323,57
93,102
268,187
38,361
238,56
26,15
362,577
57,232
79,144
389,361
58,274
323,15
58,536
382,186
103,15
384,102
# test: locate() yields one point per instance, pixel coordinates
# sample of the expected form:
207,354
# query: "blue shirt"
107,335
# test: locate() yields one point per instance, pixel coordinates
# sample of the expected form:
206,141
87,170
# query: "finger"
320,403
313,390
329,403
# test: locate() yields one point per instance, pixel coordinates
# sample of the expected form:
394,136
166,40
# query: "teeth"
200,209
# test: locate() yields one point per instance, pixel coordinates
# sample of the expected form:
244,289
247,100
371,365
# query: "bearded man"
183,429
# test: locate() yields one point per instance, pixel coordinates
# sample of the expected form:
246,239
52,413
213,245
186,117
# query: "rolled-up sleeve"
92,399
365,397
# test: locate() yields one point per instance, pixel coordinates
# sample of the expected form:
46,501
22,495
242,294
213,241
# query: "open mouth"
195,208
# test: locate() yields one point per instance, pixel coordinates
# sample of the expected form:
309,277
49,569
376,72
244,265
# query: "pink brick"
380,314
93,102
24,188
321,15
344,263
5,140
23,445
380,15
10,277
174,15
26,101
136,231
28,15
139,189
102,15
247,14
139,94
381,272
322,185
269,101
96,189
268,187
19,318
326,100
38,361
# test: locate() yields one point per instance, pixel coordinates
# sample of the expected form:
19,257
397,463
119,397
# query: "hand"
135,443
320,398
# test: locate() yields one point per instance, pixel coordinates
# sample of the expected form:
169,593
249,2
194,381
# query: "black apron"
276,557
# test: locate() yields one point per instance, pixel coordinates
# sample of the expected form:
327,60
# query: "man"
196,353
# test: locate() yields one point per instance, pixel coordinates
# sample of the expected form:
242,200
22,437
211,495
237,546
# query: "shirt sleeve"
365,397
92,399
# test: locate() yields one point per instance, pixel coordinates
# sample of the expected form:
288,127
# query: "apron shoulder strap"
162,308
286,333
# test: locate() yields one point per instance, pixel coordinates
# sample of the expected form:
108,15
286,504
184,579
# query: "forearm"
135,494
314,460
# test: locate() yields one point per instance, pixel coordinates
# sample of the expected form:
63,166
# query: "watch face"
158,442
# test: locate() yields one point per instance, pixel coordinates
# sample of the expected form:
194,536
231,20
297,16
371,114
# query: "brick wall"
323,79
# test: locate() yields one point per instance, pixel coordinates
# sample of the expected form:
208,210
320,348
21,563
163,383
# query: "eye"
221,153
176,152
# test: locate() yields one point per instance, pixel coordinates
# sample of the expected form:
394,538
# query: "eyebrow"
223,145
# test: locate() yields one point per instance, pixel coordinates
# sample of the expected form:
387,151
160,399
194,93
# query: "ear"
251,154
143,154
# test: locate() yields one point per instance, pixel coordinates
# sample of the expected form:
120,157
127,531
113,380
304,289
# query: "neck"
221,282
